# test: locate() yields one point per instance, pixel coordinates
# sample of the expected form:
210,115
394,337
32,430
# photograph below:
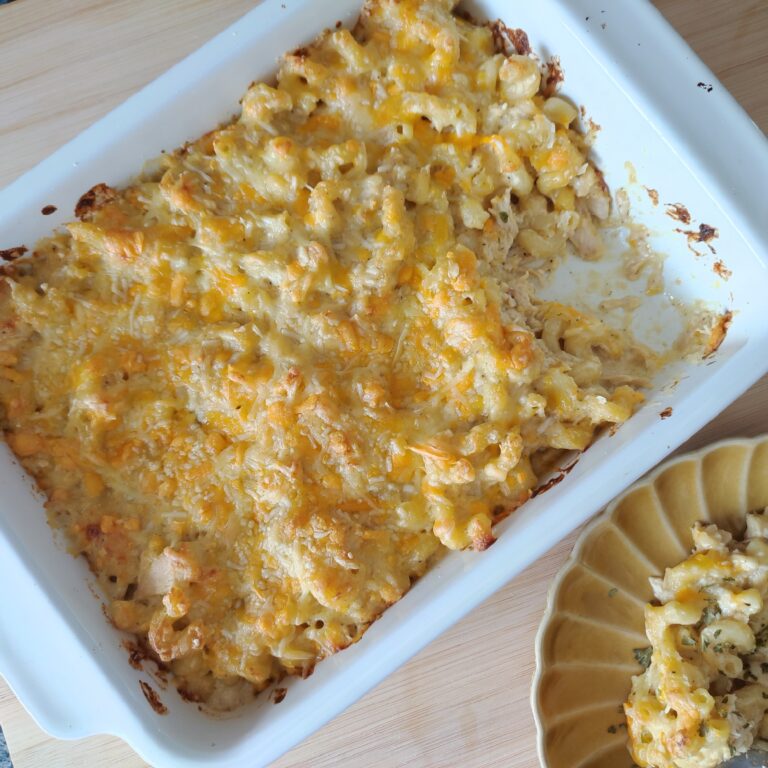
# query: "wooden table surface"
464,699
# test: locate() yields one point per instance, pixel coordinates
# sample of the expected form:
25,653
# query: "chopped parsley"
612,591
643,656
687,640
504,216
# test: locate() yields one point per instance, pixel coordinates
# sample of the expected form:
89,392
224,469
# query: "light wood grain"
464,699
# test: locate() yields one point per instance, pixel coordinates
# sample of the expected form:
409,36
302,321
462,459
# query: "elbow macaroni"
264,385
704,695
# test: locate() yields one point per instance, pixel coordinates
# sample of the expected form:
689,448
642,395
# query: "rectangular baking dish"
693,145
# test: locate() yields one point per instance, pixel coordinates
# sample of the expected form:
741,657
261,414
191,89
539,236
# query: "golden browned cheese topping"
267,383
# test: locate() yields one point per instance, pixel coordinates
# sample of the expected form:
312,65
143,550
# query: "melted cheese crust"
704,696
265,385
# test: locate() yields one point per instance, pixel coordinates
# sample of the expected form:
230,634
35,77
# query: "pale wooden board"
463,700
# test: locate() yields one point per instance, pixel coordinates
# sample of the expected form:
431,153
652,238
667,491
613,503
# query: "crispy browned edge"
556,480
653,195
721,270
11,254
718,333
555,76
508,40
96,197
150,694
679,212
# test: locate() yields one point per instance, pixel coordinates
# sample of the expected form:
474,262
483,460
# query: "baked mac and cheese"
267,383
704,695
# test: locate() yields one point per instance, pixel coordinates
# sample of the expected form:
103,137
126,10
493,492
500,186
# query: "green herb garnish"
643,656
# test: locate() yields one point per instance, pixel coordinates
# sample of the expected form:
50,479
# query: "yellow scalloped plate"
594,615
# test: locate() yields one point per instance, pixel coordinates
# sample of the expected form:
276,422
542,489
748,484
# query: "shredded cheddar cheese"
270,381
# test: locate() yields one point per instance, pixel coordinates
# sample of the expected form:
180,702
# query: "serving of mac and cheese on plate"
704,695
653,650
271,381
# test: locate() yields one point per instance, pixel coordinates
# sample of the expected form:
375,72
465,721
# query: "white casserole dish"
639,81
